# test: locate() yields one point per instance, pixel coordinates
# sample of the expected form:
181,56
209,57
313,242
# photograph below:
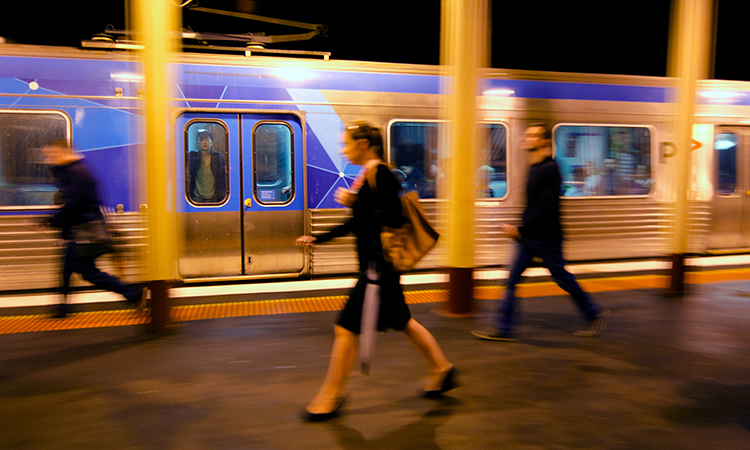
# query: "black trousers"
86,267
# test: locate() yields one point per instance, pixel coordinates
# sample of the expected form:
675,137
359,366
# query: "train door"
731,199
242,200
273,193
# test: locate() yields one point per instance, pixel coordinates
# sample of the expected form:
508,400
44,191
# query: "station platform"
235,371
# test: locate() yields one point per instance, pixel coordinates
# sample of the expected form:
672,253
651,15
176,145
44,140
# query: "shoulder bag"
404,247
92,239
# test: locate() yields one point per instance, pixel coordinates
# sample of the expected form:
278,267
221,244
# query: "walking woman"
371,209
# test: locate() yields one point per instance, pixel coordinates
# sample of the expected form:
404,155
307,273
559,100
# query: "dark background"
619,37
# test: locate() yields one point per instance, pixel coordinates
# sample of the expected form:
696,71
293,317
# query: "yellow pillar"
155,22
464,52
690,38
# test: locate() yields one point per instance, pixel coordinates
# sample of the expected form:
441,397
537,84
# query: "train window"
492,174
206,163
603,160
24,176
414,153
725,147
272,161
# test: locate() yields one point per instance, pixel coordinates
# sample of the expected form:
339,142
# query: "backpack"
404,247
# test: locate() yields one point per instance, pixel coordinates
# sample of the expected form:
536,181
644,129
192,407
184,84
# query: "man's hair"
205,134
546,133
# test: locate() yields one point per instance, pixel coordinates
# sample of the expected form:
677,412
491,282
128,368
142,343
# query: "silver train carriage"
276,123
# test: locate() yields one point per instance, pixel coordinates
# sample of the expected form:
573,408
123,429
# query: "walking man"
541,236
80,202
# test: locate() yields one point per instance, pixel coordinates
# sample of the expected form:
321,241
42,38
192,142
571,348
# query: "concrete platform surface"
667,374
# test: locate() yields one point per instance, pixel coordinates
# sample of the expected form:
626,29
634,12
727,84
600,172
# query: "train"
276,122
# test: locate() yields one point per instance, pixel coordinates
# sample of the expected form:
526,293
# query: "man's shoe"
138,301
494,335
595,327
60,312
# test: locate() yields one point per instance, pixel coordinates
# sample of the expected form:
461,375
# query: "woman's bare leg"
425,342
343,357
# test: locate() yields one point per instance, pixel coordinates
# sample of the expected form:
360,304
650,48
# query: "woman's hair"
363,130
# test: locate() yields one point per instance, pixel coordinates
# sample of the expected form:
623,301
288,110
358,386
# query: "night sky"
621,37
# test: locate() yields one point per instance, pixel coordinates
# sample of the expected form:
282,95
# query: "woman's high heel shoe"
308,416
450,381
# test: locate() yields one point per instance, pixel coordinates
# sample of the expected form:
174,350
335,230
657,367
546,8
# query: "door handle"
248,202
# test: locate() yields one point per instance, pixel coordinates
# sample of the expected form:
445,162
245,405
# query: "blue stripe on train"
578,91
301,78
97,77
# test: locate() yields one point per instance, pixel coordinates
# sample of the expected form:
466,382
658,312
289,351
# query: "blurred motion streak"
688,61
155,20
464,51
101,319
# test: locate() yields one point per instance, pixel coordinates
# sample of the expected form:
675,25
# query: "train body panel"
276,123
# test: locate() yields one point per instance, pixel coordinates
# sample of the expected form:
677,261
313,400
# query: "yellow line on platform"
100,319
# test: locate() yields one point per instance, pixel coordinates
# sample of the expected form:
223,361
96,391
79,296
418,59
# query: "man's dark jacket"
78,195
541,219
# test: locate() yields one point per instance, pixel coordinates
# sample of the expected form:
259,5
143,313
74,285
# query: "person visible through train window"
207,169
372,209
541,236
79,197
577,188
642,182
592,183
484,177
625,163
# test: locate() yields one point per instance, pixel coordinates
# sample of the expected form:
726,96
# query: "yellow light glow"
293,74
501,92
127,77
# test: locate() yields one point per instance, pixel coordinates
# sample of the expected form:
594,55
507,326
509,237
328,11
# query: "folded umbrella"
369,324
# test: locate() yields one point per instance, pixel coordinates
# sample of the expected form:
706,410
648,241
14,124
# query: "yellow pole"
155,22
463,54
690,38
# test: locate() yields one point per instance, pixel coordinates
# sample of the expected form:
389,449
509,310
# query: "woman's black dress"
372,210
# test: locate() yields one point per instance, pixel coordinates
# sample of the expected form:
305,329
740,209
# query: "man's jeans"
552,257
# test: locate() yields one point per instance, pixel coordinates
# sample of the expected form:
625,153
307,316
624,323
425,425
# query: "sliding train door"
731,199
273,193
240,194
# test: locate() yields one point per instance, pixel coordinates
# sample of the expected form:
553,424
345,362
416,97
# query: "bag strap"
372,176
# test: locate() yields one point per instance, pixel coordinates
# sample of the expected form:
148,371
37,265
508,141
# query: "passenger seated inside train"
484,178
642,182
576,188
410,178
593,181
